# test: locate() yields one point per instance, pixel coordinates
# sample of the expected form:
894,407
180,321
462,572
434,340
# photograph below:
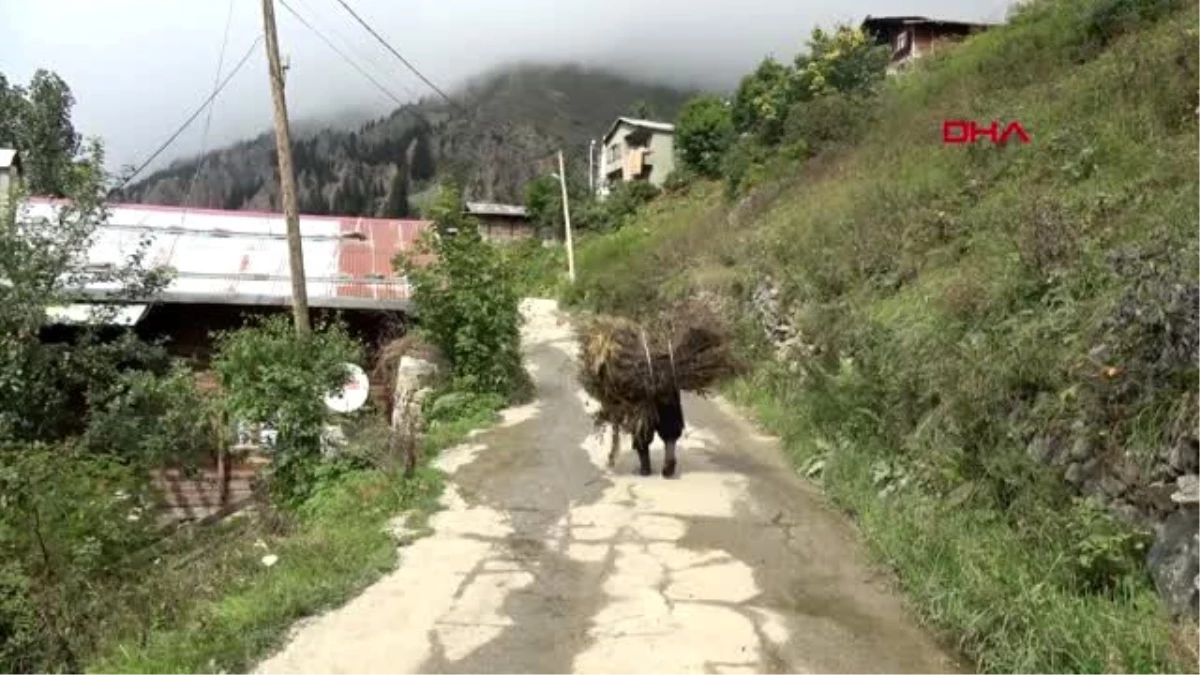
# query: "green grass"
963,303
236,609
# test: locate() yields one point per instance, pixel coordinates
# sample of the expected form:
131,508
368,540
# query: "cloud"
139,67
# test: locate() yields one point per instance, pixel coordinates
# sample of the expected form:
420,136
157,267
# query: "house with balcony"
635,149
911,37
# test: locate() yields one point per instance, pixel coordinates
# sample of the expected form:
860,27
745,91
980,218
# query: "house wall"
500,229
660,159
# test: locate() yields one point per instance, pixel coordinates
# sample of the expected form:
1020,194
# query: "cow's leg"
641,442
616,446
670,429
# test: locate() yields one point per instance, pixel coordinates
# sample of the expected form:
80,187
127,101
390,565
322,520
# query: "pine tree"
397,202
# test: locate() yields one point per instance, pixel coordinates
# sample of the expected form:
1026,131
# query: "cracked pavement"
543,560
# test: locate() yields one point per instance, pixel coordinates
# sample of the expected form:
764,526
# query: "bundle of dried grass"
627,366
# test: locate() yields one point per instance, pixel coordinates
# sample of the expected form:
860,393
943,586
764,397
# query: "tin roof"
493,209
872,22
241,257
641,124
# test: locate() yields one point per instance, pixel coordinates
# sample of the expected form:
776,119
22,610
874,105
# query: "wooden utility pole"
287,179
562,180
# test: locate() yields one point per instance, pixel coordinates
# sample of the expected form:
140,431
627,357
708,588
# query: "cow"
664,417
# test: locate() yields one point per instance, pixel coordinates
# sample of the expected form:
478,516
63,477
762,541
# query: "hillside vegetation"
963,341
506,122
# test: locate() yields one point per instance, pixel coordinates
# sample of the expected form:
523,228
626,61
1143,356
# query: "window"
902,41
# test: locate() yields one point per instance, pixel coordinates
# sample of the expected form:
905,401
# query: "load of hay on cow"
627,366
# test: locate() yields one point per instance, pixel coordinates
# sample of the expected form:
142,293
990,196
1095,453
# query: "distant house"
636,149
501,222
911,37
10,173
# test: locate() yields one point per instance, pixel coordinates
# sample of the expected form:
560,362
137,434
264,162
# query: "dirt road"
545,561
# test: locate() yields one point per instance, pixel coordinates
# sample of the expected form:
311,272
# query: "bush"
155,419
703,134
827,121
270,374
71,524
623,201
466,301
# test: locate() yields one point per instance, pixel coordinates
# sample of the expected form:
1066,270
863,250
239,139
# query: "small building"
911,37
635,149
10,173
501,222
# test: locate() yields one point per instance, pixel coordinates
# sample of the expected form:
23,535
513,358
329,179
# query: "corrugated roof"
7,157
909,20
494,209
241,257
642,124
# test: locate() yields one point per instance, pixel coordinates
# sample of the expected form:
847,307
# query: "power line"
342,54
208,118
366,57
397,54
188,122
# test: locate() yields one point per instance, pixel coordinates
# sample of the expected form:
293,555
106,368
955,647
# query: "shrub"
466,301
270,374
156,419
703,134
71,523
830,120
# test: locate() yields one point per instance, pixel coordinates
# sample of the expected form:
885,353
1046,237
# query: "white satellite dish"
353,394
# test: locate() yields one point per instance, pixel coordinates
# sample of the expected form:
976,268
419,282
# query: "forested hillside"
491,141
986,353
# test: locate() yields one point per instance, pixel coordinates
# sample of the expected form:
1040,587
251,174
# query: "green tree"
703,134
465,295
843,61
79,424
543,202
424,167
397,200
761,102
273,375
37,122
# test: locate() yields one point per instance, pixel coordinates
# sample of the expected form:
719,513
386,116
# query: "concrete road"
545,561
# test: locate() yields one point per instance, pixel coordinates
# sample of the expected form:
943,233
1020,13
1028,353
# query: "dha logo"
967,131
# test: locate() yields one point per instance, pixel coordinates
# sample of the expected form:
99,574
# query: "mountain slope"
506,122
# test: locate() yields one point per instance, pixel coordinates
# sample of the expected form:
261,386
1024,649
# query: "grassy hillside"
972,322
509,119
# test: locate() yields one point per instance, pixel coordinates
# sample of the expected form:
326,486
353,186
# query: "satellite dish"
353,394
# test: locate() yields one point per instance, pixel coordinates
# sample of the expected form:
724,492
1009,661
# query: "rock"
1126,512
1111,485
333,440
1040,449
1184,456
1173,561
1187,490
1081,449
1074,473
412,376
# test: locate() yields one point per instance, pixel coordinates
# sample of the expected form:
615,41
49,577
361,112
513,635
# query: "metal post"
562,180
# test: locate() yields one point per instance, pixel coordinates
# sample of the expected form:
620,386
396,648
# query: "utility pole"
591,168
287,179
562,180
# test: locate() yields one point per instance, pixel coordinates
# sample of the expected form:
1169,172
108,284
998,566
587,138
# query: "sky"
138,68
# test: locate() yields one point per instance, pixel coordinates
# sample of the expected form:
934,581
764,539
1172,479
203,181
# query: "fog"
138,68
